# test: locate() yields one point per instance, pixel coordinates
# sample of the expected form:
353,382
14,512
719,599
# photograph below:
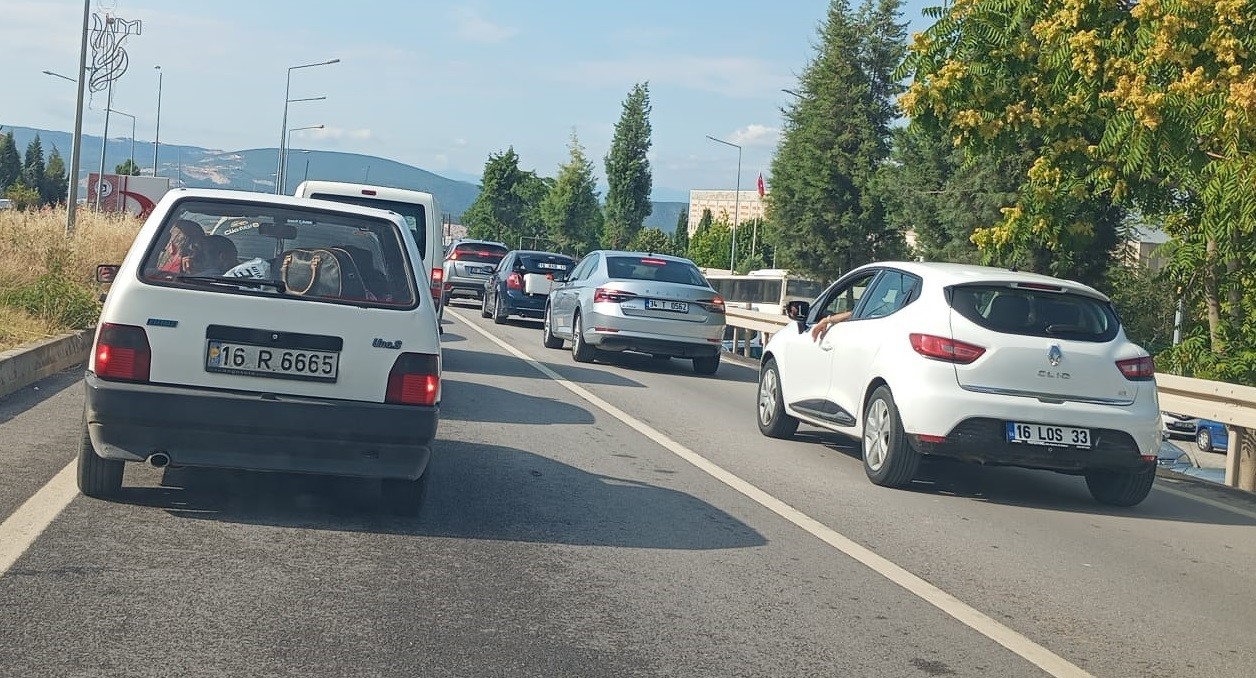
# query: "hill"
254,169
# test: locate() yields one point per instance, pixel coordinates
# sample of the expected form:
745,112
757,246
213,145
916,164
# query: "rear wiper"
234,282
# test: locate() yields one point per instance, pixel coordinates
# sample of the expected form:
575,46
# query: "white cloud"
756,135
470,25
337,133
727,76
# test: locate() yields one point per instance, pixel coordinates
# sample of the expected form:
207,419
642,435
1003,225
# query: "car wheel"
1121,488
404,497
499,310
581,352
1203,440
547,333
773,421
484,308
707,365
889,459
97,477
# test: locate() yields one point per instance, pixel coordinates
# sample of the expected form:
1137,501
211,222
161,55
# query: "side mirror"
106,273
797,311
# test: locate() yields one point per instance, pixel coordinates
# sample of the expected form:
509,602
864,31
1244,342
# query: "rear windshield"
544,263
478,253
649,268
248,248
414,214
1036,313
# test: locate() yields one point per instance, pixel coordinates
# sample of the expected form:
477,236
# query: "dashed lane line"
1027,649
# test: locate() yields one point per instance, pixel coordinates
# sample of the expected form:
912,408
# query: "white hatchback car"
271,333
973,363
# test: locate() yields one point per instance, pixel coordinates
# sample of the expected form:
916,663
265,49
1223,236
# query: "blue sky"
437,84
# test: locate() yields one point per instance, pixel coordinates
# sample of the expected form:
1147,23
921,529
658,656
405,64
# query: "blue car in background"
1211,436
521,283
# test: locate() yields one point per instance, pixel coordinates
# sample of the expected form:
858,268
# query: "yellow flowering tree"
1144,106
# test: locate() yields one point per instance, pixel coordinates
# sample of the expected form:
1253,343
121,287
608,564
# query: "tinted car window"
846,297
414,214
543,263
649,268
479,253
360,259
892,291
1037,313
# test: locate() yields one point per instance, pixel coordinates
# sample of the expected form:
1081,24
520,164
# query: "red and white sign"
121,193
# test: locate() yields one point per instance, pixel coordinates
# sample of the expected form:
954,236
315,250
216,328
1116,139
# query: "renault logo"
1055,355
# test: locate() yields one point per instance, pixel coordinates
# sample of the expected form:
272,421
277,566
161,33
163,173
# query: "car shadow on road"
18,402
476,491
501,364
641,362
1031,488
471,401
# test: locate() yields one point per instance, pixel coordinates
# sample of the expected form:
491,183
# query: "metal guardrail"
1229,404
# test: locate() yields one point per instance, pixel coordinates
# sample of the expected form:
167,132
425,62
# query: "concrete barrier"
25,365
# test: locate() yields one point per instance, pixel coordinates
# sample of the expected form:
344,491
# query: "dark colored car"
468,263
522,282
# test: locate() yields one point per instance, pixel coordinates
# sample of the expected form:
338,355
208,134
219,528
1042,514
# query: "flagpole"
754,232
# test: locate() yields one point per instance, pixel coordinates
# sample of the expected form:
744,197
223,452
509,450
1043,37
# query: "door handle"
826,346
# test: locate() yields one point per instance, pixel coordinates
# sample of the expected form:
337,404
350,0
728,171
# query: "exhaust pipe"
159,460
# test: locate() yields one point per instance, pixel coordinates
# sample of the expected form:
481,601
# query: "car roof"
946,274
281,200
475,241
634,253
544,252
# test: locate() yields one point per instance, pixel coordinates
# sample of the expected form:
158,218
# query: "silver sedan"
635,301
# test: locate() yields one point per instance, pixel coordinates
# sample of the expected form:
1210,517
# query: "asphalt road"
628,520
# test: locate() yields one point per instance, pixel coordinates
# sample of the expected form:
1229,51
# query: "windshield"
478,253
412,212
544,263
314,253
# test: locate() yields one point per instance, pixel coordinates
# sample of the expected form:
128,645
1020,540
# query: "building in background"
723,205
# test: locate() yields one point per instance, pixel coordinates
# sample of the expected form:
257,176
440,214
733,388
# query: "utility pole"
75,154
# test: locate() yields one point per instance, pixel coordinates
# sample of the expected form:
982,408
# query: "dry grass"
42,273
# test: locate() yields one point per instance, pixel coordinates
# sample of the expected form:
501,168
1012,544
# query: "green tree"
10,161
652,240
571,213
21,196
33,165
680,237
710,245
508,205
628,171
1145,107
55,186
831,147
128,168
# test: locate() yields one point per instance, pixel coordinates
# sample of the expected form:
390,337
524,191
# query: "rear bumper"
222,429
527,305
982,440
616,332
460,287
620,341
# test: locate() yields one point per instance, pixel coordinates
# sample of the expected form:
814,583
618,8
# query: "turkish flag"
761,191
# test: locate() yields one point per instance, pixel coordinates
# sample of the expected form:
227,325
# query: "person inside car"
182,242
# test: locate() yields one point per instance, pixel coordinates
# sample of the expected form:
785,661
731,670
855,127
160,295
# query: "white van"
418,208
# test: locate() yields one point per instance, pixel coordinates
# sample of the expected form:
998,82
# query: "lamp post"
132,134
732,256
157,134
288,145
63,77
283,132
307,165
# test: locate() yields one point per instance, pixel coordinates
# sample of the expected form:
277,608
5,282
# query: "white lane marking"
1203,500
24,526
969,616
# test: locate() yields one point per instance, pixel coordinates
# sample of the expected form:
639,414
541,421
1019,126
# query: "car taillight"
514,281
414,380
453,256
941,348
715,305
614,296
122,353
438,277
1138,369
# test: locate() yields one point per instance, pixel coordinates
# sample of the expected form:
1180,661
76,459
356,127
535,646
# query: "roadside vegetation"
47,282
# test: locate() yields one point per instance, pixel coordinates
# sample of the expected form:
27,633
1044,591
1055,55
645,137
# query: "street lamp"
283,132
157,134
790,91
288,146
732,257
63,77
132,169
